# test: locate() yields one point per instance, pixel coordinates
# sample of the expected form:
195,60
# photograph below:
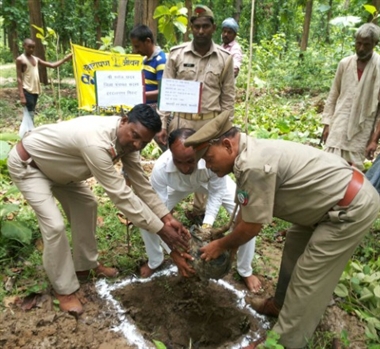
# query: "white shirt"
166,178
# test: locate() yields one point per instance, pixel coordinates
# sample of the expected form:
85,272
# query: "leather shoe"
99,271
267,306
69,303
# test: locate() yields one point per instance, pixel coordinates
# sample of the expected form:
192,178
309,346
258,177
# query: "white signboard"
119,87
180,96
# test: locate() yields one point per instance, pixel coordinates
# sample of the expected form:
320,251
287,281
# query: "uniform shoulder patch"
242,196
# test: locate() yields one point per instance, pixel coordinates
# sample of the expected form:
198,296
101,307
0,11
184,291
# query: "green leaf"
365,294
181,27
159,345
7,209
182,20
356,266
375,322
9,137
370,8
4,150
283,126
14,230
118,49
41,30
173,11
161,11
355,280
376,291
12,190
341,290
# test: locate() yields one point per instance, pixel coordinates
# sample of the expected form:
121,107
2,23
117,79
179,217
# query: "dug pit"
183,313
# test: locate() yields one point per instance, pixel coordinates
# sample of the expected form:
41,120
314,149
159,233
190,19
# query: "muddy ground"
166,309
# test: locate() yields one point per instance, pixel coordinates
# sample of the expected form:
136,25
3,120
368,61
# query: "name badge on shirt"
242,196
188,65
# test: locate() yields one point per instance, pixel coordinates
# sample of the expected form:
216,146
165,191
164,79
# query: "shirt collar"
191,48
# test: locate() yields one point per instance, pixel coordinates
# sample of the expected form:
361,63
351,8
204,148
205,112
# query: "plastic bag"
27,122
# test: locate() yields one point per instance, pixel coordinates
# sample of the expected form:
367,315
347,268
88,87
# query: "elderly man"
229,32
175,175
53,161
331,205
351,114
204,61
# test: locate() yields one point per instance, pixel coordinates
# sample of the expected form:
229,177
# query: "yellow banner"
87,61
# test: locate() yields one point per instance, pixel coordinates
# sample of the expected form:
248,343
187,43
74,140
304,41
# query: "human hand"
325,134
162,137
176,225
174,239
68,57
23,100
370,150
211,251
179,259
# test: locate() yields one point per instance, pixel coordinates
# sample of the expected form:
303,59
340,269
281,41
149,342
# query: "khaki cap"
213,130
201,11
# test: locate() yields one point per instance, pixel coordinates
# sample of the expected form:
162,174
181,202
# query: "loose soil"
167,308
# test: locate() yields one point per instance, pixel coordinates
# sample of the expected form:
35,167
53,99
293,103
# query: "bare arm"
19,67
55,64
374,139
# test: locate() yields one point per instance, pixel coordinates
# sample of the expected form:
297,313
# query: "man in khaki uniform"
201,60
331,206
53,162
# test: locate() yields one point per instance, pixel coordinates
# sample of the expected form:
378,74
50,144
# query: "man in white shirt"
176,174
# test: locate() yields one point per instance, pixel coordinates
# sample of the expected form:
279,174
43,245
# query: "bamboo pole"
249,67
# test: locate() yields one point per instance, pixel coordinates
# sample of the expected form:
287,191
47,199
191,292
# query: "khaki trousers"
313,261
80,207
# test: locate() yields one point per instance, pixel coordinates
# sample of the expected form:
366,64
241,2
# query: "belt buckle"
196,117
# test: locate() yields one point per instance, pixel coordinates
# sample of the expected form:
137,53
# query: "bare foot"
146,272
253,283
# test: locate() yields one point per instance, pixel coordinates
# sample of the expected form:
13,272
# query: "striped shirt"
153,70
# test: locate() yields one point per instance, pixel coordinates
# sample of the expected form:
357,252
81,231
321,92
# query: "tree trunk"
144,10
36,19
120,26
238,6
306,25
97,21
12,35
329,14
189,6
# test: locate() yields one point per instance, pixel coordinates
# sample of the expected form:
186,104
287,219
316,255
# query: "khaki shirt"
291,181
75,150
218,91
